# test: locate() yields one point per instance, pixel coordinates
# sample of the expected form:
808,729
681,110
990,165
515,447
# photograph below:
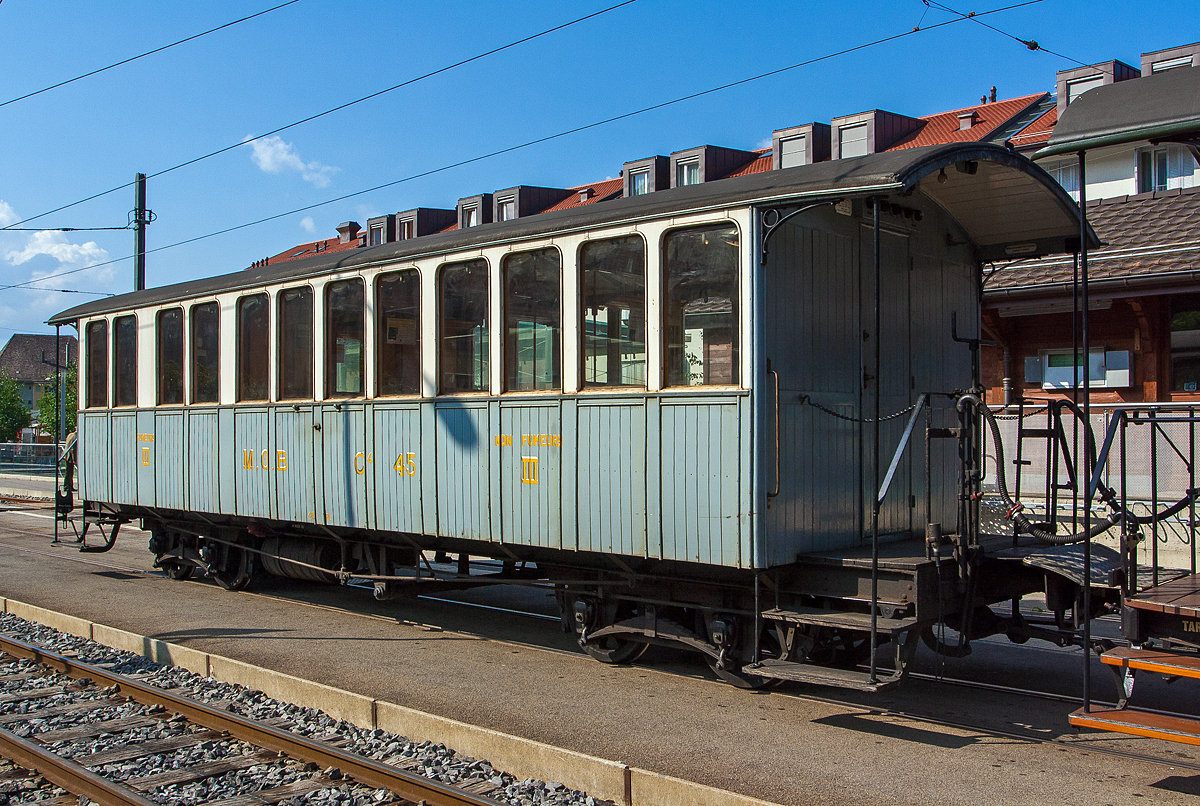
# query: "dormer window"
506,209
1079,87
470,217
967,119
687,173
377,235
639,183
853,140
793,151
407,229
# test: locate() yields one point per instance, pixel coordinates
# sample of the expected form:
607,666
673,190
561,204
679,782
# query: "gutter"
1122,137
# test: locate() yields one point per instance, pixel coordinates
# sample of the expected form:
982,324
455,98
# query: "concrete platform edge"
522,758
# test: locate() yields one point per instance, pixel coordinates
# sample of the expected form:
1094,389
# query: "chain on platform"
805,400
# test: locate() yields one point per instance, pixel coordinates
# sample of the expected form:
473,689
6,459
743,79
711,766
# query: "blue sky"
223,88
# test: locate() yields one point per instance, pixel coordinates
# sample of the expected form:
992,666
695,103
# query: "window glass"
345,322
1077,88
853,140
1185,343
470,217
170,357
97,364
687,173
377,235
639,183
398,312
463,313
254,359
296,343
125,361
702,306
533,320
407,229
614,312
793,151
206,352
507,209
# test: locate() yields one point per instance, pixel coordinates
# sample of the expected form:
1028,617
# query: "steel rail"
363,770
67,774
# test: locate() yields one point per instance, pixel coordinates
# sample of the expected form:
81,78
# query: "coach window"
463,333
206,352
296,343
253,357
345,321
398,306
614,312
169,333
701,270
125,361
533,320
97,364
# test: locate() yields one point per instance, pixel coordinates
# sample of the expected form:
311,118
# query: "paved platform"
934,743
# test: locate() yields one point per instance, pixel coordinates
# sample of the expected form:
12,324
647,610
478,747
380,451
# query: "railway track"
156,742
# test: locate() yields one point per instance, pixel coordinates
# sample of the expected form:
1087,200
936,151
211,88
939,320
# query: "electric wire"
1031,44
144,55
530,143
309,118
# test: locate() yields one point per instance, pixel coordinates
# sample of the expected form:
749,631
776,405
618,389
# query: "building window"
1060,371
506,209
398,312
169,327
853,140
793,151
1185,343
687,173
639,183
463,322
206,352
97,364
701,271
125,361
470,217
533,320
408,229
1077,88
614,312
1067,176
1165,168
345,323
377,235
296,343
1171,64
253,359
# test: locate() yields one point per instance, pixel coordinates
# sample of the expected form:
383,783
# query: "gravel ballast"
433,761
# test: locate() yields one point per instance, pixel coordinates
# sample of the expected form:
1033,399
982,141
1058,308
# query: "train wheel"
235,569
616,650
177,570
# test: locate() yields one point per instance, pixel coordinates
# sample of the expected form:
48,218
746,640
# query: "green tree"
14,414
48,403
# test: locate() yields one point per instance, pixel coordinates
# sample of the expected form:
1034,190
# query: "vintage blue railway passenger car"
661,405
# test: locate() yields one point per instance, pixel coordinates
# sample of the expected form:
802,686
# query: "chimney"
992,96
347,231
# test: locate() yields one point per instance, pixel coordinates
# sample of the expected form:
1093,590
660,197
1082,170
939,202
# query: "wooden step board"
822,675
1141,723
840,619
1179,597
1149,660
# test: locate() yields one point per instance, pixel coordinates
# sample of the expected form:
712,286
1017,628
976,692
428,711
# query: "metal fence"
27,458
1157,454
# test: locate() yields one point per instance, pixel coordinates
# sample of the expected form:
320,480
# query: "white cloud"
56,245
274,156
308,225
7,214
766,142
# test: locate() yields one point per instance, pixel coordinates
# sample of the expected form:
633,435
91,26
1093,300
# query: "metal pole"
1087,421
139,234
1075,384
875,449
1153,495
1133,559
1192,481
58,407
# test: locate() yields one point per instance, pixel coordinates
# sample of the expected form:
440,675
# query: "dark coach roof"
1007,200
1163,106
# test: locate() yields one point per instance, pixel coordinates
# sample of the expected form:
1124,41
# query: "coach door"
347,461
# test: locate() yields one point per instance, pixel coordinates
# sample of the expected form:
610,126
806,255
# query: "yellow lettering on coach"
281,460
359,469
247,459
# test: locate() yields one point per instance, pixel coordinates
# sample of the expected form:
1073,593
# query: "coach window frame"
127,389
736,315
95,333
194,386
330,336
584,383
381,329
239,328
557,372
440,325
283,344
161,362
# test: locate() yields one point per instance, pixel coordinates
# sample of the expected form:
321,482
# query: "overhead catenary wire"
535,141
1031,44
147,53
338,108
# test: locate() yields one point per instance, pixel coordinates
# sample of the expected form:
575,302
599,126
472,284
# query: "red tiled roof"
311,248
943,127
763,162
1038,131
605,189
